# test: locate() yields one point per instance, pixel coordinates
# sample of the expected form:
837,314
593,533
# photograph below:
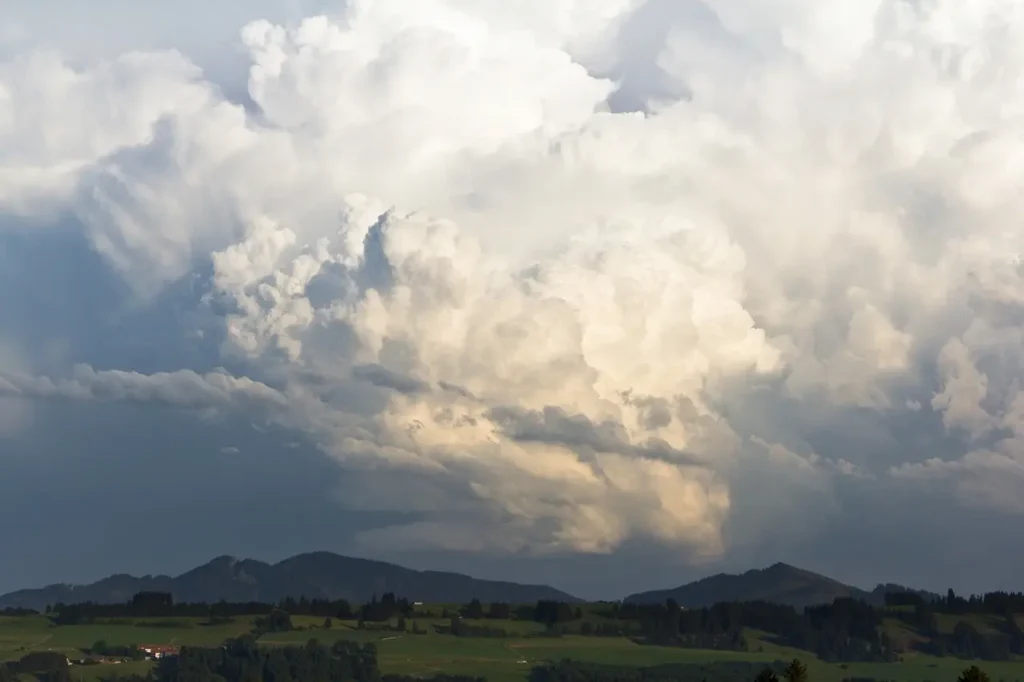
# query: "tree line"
965,640
242,660
993,603
847,630
732,671
158,605
162,605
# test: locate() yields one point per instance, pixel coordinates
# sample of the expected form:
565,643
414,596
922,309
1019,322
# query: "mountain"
778,584
315,575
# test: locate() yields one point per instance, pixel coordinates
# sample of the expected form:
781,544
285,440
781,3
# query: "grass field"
18,635
500,659
509,659
21,635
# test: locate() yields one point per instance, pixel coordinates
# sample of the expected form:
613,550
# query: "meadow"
499,659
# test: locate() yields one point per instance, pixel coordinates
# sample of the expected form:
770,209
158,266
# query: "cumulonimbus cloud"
460,262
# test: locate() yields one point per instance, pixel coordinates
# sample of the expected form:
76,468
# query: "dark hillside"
777,584
317,575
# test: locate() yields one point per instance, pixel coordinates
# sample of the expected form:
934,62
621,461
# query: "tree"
277,621
474,610
152,604
45,666
796,671
973,674
276,669
499,611
767,675
550,612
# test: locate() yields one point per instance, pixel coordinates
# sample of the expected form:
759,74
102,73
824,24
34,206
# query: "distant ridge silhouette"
778,584
314,575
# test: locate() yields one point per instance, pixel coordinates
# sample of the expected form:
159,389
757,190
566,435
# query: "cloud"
980,479
431,246
183,388
382,376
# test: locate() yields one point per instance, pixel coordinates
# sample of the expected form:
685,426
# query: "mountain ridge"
333,576
313,575
779,583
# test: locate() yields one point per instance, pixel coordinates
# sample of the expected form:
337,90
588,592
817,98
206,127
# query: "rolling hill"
315,575
779,584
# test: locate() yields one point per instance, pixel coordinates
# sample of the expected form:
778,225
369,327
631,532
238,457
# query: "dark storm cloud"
117,487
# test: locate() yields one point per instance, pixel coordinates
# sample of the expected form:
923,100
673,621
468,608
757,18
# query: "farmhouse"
154,651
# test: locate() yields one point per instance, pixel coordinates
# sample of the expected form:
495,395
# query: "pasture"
499,659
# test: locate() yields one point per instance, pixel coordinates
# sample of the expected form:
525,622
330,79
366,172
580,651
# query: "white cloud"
457,263
964,389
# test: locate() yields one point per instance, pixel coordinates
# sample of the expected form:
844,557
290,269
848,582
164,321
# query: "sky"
605,294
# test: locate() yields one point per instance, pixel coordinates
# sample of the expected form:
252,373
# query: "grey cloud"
642,82
76,310
556,426
332,283
113,471
183,388
385,378
982,479
376,272
657,412
457,390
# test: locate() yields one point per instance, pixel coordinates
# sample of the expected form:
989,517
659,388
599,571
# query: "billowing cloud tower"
433,245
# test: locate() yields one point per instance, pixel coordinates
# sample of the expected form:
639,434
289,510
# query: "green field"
20,635
500,659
